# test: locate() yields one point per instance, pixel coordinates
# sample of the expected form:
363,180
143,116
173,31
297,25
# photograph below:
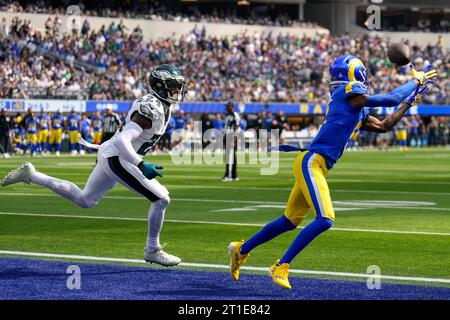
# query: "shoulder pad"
149,106
355,87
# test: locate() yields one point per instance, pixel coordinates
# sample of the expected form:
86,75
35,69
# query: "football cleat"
226,179
161,257
280,274
237,260
21,174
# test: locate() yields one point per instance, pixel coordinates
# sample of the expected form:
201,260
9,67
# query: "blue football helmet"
347,68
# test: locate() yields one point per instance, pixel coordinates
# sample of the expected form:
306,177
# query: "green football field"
392,211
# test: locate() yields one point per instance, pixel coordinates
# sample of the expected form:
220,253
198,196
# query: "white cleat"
57,153
226,179
21,174
161,257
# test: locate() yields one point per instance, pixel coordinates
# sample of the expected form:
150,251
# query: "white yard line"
204,200
221,266
240,224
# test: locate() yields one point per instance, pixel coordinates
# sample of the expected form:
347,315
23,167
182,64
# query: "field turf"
392,211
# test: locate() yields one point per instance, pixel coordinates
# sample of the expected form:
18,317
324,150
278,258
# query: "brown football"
399,53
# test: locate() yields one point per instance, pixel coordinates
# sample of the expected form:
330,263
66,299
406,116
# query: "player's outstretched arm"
385,125
396,96
391,99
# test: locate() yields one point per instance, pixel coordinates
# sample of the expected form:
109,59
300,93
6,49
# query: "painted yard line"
49,195
240,224
204,200
286,189
221,266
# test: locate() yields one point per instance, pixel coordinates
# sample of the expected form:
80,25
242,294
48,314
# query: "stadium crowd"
164,10
113,63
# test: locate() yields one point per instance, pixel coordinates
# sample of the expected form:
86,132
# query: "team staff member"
85,124
57,123
111,123
232,121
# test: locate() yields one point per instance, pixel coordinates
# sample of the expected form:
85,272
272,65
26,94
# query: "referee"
111,123
232,121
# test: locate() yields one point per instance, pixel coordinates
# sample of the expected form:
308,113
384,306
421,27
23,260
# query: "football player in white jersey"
120,160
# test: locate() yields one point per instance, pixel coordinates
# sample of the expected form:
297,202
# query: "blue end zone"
36,279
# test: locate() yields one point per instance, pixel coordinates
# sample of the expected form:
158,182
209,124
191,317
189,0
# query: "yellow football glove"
424,76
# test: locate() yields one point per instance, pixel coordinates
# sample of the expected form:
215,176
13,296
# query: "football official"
111,123
231,126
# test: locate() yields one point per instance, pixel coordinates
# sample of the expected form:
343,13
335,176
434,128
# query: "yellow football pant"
310,190
32,138
401,135
42,136
55,136
97,138
74,136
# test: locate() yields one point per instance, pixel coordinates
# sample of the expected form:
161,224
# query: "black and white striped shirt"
232,121
111,122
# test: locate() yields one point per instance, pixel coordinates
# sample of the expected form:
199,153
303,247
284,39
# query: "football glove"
428,75
149,170
417,94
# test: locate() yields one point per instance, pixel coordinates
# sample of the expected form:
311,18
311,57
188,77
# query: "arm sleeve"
122,142
393,98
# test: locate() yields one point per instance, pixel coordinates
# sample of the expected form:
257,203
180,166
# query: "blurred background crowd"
113,63
219,12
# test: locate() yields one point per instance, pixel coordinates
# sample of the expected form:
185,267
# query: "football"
399,53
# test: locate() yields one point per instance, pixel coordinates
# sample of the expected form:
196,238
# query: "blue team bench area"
201,107
39,280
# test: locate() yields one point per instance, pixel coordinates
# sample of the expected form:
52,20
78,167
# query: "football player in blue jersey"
345,114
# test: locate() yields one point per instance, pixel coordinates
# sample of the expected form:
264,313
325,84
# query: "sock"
64,188
155,222
270,231
307,235
58,147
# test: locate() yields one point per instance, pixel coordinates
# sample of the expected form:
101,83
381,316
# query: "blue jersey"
85,125
97,122
43,122
57,121
32,124
171,126
339,123
218,124
74,122
180,122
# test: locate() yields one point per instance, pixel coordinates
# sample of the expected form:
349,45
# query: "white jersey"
152,108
